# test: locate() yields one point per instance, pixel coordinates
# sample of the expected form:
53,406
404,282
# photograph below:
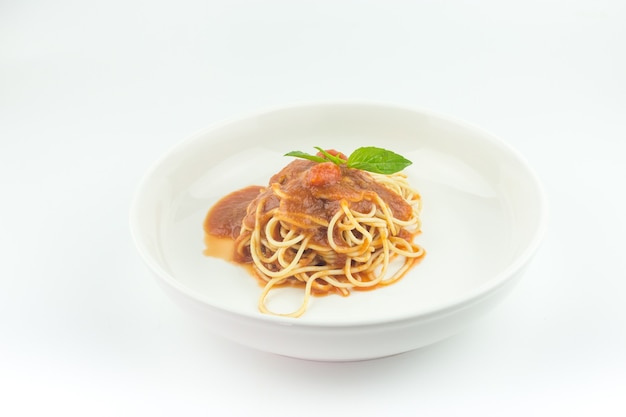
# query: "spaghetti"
329,229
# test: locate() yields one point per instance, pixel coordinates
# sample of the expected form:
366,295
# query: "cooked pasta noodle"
352,234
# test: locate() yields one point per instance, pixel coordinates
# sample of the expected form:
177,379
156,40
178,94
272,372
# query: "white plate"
483,218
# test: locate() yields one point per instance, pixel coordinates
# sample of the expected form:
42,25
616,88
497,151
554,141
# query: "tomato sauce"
224,218
304,193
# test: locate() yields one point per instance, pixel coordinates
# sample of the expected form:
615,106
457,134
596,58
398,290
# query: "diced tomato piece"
326,173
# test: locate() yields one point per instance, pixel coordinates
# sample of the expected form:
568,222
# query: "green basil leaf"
368,158
378,160
332,158
305,155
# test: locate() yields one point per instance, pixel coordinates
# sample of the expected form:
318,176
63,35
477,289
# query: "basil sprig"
367,158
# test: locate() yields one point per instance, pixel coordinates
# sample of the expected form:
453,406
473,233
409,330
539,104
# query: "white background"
93,92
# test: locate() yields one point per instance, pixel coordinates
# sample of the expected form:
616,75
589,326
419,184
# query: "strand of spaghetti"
297,313
371,221
359,244
373,232
255,237
359,283
396,182
288,258
387,214
326,283
287,266
377,230
255,250
406,266
370,265
412,221
301,270
361,254
415,252
330,235
361,217
264,256
288,239
305,301
287,255
331,227
334,282
350,270
399,184
386,252
274,247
